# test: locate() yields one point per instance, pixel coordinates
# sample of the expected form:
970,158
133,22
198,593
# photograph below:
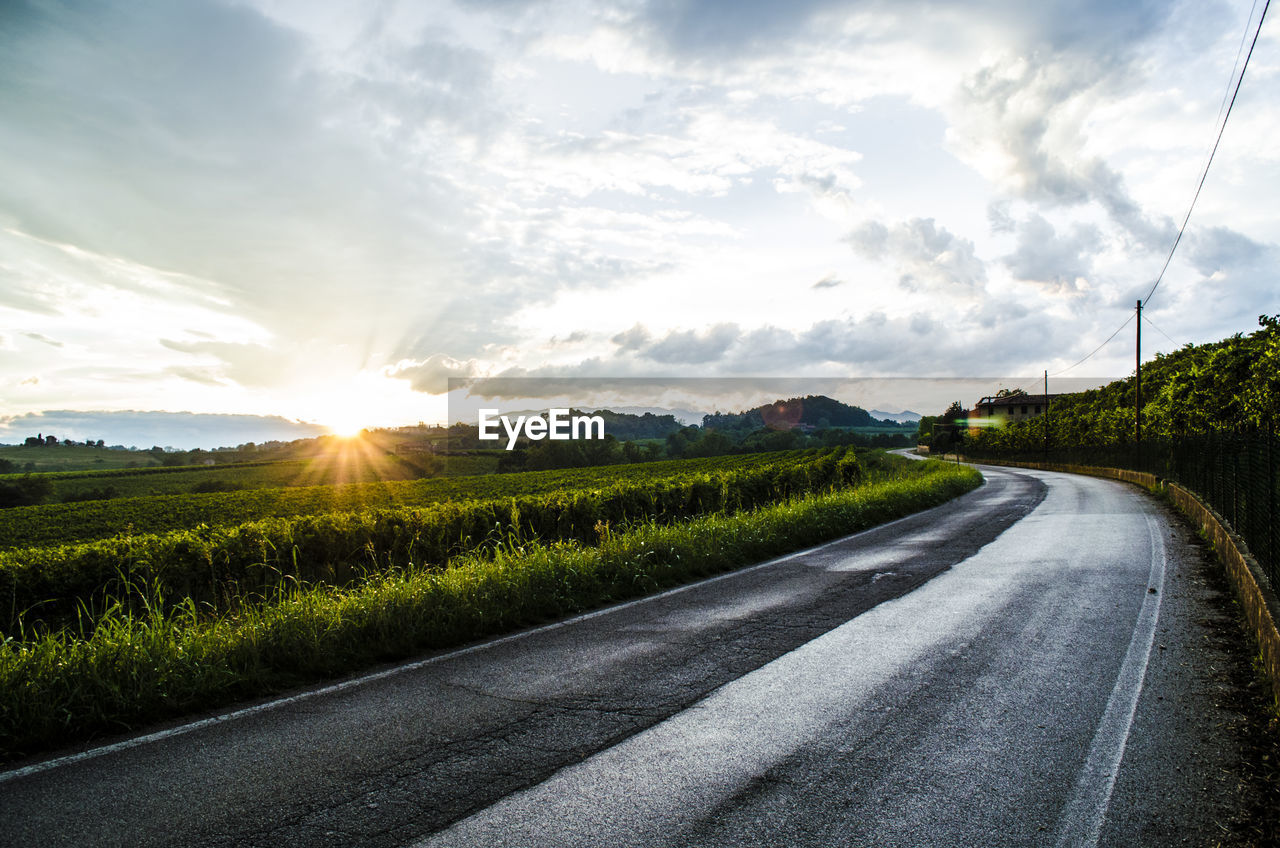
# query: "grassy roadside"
136,668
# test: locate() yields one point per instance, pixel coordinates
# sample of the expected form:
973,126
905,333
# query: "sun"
343,404
346,428
345,423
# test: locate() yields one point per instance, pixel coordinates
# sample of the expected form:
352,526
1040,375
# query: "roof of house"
1015,400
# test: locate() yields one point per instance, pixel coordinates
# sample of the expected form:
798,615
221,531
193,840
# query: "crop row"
224,566
76,522
135,669
147,471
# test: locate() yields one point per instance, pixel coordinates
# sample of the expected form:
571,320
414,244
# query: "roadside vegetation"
84,521
1221,387
180,623
221,566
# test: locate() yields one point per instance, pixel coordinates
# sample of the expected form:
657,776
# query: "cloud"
40,337
633,339
1017,120
993,313
678,347
203,376
993,336
927,257
1237,282
1061,264
224,198
576,337
1221,248
690,347
696,29
433,374
246,364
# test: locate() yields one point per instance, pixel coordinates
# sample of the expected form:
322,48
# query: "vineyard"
337,535
83,521
236,594
104,484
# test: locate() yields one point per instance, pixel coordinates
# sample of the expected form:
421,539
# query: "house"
407,448
998,410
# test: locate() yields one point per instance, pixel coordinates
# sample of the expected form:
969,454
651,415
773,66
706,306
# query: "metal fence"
1236,473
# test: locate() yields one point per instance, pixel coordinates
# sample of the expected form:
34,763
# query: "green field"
113,632
43,585
102,484
81,521
73,457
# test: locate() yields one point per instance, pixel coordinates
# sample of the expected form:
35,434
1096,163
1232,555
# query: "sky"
322,211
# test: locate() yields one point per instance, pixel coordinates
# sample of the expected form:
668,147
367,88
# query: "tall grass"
132,666
46,586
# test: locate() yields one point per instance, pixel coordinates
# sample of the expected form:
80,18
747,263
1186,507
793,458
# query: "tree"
26,491
50,441
713,443
1262,397
948,430
679,441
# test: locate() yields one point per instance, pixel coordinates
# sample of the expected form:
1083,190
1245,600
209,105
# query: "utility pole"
1137,388
1046,415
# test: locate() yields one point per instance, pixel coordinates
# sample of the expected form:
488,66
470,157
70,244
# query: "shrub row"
226,566
141,667
51,524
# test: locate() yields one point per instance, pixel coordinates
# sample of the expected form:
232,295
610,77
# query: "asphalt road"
1021,666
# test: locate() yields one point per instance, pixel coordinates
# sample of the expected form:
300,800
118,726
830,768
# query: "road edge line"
414,665
1253,589
1085,814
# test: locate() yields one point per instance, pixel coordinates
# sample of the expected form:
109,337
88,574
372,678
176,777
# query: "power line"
1096,349
1157,329
1244,36
1204,175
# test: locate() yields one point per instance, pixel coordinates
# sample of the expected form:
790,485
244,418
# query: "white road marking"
1084,815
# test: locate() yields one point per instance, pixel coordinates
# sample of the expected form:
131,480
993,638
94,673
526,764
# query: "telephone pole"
1137,388
1046,415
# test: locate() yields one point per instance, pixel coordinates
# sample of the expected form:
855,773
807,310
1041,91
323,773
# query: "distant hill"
143,429
683,416
626,426
812,411
904,417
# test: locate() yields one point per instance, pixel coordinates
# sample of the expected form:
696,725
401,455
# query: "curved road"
1020,666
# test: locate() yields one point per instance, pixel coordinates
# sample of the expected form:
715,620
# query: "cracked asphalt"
955,678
